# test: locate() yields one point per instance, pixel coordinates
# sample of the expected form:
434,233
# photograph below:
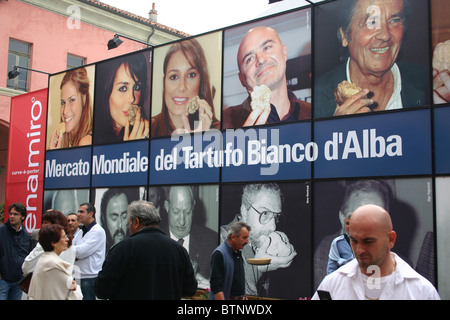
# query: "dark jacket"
415,88
146,265
14,248
202,242
223,282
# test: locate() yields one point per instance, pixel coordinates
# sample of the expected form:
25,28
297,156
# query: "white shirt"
346,283
395,102
91,252
185,240
77,237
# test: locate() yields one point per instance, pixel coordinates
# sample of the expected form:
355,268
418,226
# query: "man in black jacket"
146,265
15,245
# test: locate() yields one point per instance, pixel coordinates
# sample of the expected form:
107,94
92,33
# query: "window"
18,55
74,61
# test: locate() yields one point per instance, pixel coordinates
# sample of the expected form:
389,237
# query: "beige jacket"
52,279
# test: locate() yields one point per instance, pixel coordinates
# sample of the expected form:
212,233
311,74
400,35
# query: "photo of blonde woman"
74,128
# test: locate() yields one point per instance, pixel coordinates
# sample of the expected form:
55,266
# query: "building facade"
55,35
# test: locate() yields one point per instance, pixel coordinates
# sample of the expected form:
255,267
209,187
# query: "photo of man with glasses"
264,209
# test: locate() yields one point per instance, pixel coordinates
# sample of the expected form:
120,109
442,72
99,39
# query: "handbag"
24,284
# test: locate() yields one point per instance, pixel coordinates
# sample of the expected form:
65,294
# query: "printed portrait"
70,108
267,71
187,87
122,99
370,55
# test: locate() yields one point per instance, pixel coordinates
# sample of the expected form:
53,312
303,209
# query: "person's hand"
276,261
73,287
56,140
140,130
219,295
257,116
441,86
202,282
359,103
205,118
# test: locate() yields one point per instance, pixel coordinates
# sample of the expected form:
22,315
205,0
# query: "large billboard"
291,110
25,174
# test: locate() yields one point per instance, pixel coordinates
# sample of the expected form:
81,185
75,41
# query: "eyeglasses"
266,216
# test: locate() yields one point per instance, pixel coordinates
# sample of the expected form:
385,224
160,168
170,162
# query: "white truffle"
192,105
278,244
260,97
441,56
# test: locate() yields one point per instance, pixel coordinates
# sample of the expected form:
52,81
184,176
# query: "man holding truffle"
441,73
261,208
371,32
261,61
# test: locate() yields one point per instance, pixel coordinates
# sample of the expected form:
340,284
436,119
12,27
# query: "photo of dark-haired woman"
188,91
121,99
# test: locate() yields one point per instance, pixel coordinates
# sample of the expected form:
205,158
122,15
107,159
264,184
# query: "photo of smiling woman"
122,107
188,92
74,108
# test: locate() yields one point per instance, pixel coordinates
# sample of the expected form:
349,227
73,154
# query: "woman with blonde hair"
75,128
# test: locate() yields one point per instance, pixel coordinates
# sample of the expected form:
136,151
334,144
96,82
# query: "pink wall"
51,41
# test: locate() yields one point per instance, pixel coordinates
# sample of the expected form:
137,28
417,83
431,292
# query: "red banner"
26,153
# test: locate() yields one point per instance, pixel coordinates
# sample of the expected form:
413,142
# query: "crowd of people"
70,262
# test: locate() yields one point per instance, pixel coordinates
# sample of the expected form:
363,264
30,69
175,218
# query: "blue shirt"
340,253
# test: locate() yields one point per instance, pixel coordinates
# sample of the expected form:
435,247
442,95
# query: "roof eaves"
135,17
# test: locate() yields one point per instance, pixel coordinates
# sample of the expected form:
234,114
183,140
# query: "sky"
200,16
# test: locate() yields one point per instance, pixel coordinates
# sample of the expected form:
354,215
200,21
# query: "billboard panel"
304,152
379,47
25,174
70,108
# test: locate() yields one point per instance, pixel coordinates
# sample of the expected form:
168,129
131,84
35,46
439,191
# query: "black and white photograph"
111,211
189,216
279,215
409,201
65,200
442,227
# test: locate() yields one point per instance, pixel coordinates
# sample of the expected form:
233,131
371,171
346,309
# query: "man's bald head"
372,238
374,215
262,59
180,209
